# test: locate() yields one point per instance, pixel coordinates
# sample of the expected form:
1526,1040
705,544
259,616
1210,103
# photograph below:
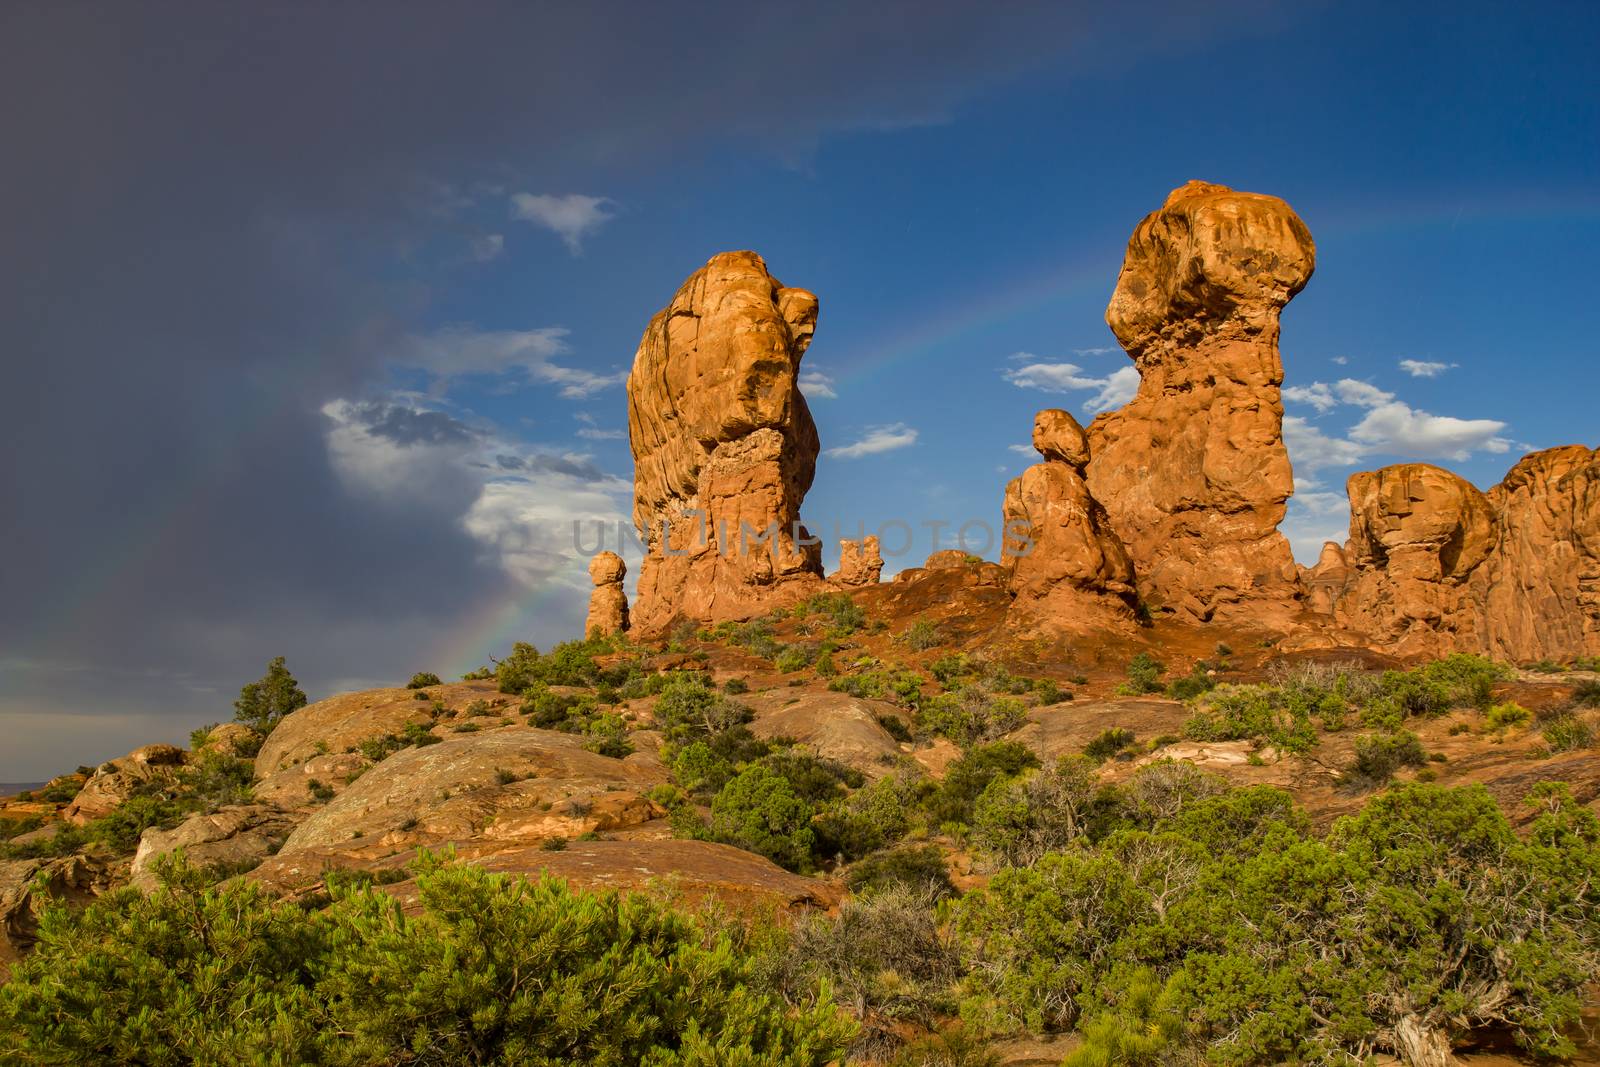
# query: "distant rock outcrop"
1193,471
608,604
1066,565
724,447
860,563
1435,565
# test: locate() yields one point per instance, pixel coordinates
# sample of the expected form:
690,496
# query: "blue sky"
339,332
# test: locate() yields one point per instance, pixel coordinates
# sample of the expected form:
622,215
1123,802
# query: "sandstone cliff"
722,440
1193,471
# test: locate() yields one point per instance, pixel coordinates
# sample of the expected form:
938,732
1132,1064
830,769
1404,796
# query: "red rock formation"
1416,534
723,446
860,563
608,603
1437,566
1066,565
1325,581
1193,471
1540,593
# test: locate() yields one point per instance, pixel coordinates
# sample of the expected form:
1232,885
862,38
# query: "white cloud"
455,351
1111,391
1341,360
817,385
1390,427
589,433
488,246
1310,449
1317,394
1312,521
1023,450
1362,394
1421,368
573,216
877,439
517,502
1397,429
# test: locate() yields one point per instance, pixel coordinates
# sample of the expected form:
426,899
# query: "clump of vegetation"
841,615
920,868
966,779
1277,715
1019,819
199,974
262,704
875,681
1144,676
1108,743
1568,733
1379,756
970,715
1587,694
423,679
920,636
947,669
1502,716
1048,691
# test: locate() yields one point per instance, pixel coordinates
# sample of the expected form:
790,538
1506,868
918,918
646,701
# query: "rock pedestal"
608,603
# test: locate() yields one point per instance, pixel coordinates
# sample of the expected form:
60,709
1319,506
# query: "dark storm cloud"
200,207
408,426
541,463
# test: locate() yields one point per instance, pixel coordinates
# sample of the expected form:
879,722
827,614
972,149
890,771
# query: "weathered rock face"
860,563
1435,565
1416,533
1193,471
608,604
722,440
1540,594
1325,581
26,888
235,838
1066,565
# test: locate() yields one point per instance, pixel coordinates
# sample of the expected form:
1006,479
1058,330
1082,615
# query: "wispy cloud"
1111,391
817,385
573,216
876,439
1422,368
589,433
530,354
487,246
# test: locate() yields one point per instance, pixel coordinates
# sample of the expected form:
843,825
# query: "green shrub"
735,686
947,669
190,974
1506,715
844,616
262,704
1587,694
1275,715
920,636
1379,756
1048,692
1017,820
1144,675
895,727
1567,733
967,778
970,716
1108,743
423,679
759,811
920,868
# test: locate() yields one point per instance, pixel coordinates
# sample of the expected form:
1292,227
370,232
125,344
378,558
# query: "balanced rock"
724,447
608,604
1193,471
1066,564
860,563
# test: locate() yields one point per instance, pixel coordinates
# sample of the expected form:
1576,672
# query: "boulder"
1068,569
231,739
236,838
292,788
1193,471
341,723
114,781
608,603
724,448
480,791
836,726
